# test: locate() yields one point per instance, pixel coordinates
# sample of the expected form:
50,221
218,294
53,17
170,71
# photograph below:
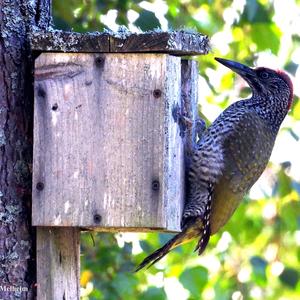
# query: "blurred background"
257,254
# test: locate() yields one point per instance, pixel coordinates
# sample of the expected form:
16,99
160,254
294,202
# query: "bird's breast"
246,154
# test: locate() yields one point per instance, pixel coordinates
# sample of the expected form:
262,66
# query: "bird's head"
264,81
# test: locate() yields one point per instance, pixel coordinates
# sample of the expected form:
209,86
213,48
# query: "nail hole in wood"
155,185
39,186
99,61
97,218
157,93
54,106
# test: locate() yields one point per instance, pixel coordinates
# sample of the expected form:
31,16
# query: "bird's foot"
185,122
199,128
191,129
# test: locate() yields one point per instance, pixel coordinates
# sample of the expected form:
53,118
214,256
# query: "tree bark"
17,251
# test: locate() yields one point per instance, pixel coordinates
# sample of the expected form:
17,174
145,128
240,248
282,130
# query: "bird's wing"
246,148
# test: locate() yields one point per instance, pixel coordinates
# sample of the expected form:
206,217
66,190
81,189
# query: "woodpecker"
230,156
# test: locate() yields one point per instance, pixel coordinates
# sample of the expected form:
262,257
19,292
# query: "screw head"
157,93
97,218
54,106
155,185
40,186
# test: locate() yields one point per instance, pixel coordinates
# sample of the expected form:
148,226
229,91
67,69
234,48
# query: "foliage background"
257,254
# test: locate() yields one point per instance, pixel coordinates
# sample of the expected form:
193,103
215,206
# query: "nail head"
157,93
55,106
39,186
97,218
155,185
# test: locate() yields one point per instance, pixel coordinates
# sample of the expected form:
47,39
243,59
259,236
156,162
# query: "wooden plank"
173,42
107,150
58,263
189,109
189,96
62,41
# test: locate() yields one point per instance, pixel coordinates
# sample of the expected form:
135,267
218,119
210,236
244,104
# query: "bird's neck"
271,109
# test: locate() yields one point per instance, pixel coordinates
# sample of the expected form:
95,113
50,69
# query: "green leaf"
165,237
296,110
153,293
256,12
127,248
223,288
283,184
289,213
124,284
96,294
291,67
298,254
259,266
266,36
147,20
289,277
61,23
194,280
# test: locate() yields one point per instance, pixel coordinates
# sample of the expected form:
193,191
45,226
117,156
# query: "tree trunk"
17,245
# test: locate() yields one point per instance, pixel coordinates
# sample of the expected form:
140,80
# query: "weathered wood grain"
107,150
173,42
62,41
189,96
58,263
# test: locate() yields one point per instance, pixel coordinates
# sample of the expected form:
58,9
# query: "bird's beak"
238,68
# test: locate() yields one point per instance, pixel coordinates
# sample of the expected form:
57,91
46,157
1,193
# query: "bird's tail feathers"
190,231
202,243
177,240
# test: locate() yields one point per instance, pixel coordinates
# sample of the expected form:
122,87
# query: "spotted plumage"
230,156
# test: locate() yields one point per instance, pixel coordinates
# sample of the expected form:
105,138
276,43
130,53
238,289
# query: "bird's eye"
264,75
